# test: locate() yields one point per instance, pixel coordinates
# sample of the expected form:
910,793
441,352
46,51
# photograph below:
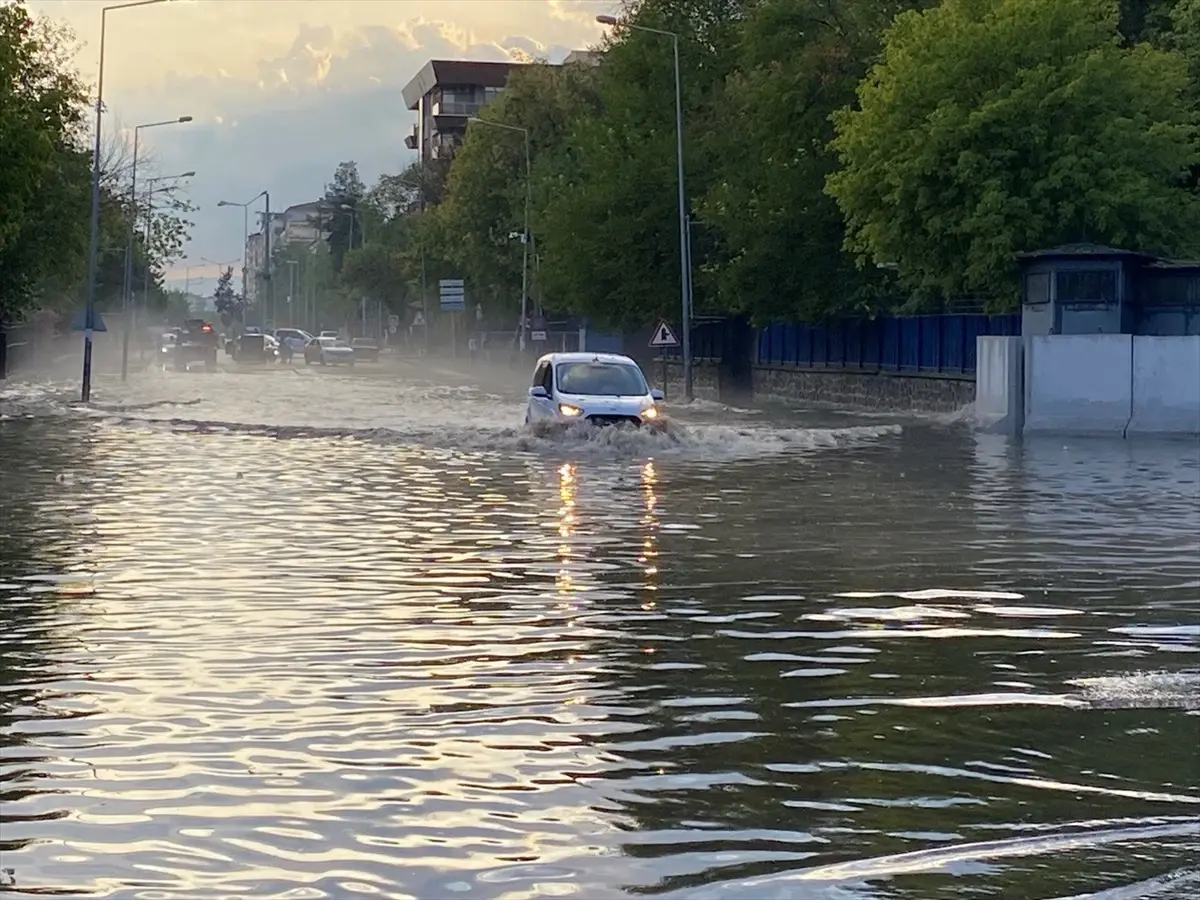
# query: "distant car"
330,334
296,338
366,349
196,342
599,388
328,351
166,347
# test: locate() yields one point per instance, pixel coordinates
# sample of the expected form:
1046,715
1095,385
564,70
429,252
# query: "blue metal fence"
934,344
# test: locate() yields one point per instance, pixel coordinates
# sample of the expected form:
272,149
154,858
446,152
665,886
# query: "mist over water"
311,633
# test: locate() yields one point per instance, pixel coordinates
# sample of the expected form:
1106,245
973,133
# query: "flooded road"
311,634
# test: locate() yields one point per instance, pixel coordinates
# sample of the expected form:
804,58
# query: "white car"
328,352
600,388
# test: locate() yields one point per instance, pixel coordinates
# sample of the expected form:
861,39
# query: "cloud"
329,97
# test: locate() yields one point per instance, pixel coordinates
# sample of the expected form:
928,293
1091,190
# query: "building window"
1174,289
1087,286
1037,288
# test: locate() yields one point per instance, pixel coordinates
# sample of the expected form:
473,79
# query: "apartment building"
445,94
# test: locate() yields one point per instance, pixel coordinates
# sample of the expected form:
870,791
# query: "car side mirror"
657,395
539,392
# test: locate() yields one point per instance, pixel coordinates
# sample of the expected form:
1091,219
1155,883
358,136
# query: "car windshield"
601,378
332,342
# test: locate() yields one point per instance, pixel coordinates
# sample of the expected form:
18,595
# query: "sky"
281,91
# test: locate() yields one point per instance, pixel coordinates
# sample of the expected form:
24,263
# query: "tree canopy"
45,182
841,157
994,126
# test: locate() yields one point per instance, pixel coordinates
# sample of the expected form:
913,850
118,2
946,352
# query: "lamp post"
685,274
94,228
291,316
245,233
362,240
269,300
150,183
127,292
525,236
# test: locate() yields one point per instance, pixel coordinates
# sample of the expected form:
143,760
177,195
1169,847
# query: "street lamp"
526,236
685,274
94,228
127,292
150,183
245,232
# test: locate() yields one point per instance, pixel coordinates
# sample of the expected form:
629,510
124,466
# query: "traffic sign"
451,293
419,320
663,336
538,336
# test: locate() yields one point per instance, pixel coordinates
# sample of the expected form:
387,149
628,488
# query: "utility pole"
270,298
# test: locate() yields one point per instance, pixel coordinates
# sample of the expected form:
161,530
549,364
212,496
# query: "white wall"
999,383
1102,384
1166,385
1078,383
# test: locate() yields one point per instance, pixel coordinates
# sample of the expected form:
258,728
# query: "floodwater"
314,634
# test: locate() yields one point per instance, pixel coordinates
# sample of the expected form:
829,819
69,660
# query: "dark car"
365,349
196,342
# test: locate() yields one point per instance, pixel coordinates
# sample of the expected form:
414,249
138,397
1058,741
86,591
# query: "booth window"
1037,288
1087,286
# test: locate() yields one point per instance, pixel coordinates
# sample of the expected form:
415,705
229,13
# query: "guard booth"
1080,289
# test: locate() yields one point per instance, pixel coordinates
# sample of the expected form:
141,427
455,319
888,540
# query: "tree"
607,214
483,215
43,166
342,197
780,234
230,305
995,126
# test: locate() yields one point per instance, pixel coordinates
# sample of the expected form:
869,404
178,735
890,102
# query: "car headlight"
650,412
569,411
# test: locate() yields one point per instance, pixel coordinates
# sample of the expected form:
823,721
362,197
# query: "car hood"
338,349
598,404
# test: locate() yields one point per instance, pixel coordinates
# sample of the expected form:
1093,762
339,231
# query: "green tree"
483,215
995,126
43,166
229,304
342,197
607,214
780,234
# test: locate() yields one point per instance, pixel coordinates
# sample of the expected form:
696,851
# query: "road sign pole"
662,357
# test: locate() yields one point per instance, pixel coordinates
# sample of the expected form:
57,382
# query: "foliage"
995,126
43,166
780,234
342,197
45,181
484,214
840,156
608,217
230,305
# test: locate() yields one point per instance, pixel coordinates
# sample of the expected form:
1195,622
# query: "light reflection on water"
897,668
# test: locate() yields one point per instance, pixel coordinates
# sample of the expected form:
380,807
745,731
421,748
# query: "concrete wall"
1112,384
1000,383
1078,383
1166,385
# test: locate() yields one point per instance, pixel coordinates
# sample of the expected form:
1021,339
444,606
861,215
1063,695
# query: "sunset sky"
283,90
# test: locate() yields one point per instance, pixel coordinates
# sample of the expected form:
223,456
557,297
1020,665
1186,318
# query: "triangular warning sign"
664,336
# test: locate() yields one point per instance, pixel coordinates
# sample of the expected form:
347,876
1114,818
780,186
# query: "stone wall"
846,389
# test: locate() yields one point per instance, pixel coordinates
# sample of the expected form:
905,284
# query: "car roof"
586,357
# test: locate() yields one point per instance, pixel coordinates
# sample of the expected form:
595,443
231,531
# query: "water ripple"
311,635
